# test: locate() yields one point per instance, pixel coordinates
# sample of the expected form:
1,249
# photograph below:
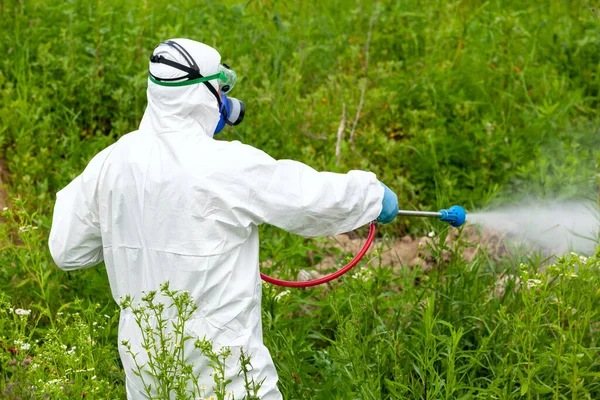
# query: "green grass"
467,102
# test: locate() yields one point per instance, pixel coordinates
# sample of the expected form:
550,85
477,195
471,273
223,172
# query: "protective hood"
190,108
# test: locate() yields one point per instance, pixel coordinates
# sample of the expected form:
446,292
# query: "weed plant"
467,102
167,373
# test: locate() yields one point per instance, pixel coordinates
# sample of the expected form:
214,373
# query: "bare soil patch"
411,252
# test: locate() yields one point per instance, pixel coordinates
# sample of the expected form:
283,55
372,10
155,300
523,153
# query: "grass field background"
479,103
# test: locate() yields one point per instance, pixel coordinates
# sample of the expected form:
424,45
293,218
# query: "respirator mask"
231,109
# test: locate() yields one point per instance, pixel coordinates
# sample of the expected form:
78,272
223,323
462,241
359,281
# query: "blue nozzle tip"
455,216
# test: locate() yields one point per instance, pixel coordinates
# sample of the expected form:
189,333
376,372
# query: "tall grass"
470,102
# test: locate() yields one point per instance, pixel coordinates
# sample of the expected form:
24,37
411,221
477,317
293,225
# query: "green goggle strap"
220,76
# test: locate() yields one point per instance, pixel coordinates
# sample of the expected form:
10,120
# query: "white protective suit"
169,203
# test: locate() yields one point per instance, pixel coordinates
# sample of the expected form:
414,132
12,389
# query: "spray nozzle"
455,216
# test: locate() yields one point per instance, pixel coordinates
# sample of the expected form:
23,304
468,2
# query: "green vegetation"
166,370
466,102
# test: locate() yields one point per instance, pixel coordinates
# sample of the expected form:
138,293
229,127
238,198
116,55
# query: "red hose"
327,278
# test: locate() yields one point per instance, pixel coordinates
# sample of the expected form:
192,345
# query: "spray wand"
455,216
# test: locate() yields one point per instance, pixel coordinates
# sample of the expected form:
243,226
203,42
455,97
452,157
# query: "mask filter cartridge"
232,112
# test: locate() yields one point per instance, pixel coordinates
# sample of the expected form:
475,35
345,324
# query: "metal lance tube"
429,214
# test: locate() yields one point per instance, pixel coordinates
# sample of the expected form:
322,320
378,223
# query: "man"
169,203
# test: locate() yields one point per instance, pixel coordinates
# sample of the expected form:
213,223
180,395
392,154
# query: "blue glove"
390,206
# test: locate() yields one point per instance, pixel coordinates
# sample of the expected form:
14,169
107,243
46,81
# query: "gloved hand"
390,206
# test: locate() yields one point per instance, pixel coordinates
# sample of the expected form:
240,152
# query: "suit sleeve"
297,198
75,238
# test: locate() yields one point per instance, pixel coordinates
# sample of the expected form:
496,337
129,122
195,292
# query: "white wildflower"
431,234
363,274
20,311
524,268
282,295
84,370
531,283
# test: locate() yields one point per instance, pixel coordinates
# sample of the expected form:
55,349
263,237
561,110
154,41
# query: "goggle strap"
192,73
214,92
157,79
210,87
188,57
170,81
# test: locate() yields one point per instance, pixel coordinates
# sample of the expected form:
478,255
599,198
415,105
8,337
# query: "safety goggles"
225,76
